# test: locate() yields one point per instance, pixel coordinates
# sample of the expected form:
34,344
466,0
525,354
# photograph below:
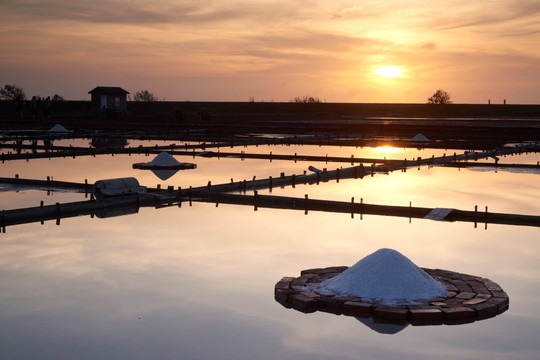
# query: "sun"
389,71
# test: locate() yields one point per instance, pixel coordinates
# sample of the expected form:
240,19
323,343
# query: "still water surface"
197,282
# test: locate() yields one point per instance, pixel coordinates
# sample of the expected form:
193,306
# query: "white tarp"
438,214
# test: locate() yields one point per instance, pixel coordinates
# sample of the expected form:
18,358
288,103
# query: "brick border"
468,298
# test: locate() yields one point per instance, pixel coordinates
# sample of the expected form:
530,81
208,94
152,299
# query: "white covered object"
115,187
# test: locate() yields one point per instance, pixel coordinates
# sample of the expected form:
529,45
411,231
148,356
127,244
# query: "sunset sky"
231,50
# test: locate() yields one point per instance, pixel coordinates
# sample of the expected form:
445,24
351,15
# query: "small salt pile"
420,138
384,276
164,159
58,129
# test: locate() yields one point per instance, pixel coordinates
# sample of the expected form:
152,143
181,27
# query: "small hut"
109,97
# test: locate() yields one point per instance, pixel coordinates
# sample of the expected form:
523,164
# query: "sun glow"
389,71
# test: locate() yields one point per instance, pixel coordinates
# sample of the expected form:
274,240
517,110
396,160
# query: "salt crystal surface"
385,275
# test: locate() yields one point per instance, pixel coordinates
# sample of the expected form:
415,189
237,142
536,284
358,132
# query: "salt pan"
385,275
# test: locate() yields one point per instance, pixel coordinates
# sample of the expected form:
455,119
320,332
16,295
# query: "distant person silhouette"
34,107
19,109
47,107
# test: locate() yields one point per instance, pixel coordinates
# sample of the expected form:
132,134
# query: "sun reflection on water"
388,149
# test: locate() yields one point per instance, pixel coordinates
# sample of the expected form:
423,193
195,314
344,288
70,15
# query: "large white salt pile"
385,275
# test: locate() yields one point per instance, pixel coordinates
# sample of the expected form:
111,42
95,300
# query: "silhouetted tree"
57,97
305,99
12,92
144,95
440,97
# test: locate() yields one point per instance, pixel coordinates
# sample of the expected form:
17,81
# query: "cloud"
98,11
524,13
143,12
354,11
428,46
332,47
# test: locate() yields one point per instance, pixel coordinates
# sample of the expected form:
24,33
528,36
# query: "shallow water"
197,282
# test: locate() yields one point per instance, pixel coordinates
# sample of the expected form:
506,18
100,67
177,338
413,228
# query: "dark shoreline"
472,122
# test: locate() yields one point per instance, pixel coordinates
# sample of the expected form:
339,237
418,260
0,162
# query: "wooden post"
58,213
179,197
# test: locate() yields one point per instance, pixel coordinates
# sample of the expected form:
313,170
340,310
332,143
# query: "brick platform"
468,298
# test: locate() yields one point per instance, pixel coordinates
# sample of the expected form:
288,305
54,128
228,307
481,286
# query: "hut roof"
109,90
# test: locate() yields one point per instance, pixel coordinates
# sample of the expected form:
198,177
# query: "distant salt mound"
385,275
58,129
420,138
164,159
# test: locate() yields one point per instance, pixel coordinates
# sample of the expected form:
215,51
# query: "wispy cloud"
139,12
485,14
104,11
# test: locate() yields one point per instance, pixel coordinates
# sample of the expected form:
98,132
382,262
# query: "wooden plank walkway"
129,204
322,176
59,211
201,150
221,193
48,184
461,164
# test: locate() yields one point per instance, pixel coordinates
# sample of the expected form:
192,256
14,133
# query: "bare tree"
440,97
12,92
144,95
305,99
57,97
